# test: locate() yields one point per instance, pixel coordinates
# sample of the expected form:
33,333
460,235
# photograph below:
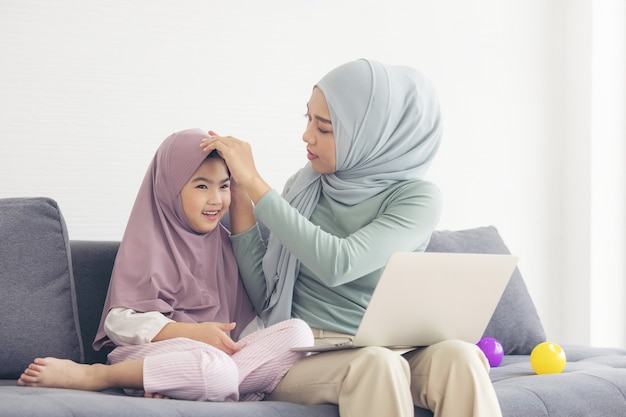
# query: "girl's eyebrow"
199,179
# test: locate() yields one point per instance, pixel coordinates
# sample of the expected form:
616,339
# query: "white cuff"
125,326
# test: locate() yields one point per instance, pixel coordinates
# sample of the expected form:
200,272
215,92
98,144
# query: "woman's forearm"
256,187
241,210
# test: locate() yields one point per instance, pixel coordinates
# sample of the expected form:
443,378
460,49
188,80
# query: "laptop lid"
423,298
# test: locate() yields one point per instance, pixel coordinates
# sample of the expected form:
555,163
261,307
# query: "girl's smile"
206,196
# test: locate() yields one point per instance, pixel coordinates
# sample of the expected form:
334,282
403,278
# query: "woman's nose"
308,136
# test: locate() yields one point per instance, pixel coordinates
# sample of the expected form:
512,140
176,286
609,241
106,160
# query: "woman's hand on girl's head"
236,153
238,157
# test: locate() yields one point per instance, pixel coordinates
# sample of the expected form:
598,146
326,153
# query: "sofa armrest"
92,264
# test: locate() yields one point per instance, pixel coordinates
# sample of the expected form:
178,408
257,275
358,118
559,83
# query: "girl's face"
206,196
319,135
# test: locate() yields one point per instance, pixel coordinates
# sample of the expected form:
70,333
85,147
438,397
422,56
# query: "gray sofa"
53,290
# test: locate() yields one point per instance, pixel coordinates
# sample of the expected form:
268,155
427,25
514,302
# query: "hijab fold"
387,128
163,264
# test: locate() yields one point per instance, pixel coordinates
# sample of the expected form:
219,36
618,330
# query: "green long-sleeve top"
342,249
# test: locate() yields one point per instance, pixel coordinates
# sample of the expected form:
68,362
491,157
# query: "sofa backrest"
92,264
63,284
515,322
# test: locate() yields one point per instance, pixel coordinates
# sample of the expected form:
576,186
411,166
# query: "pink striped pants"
186,369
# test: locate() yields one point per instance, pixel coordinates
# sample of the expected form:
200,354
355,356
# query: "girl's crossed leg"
183,368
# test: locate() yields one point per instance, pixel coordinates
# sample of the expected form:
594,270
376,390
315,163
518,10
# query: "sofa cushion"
37,301
515,322
593,383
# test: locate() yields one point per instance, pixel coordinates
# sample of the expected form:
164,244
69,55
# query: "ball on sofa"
548,358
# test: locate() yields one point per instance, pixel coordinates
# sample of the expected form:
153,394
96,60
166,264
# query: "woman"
373,131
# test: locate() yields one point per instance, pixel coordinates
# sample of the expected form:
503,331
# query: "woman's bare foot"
62,373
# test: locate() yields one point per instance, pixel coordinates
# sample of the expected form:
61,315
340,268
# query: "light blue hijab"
387,128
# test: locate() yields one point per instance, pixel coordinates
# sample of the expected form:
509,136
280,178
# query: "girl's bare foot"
62,373
155,395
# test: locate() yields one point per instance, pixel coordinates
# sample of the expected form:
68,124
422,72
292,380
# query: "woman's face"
319,135
206,196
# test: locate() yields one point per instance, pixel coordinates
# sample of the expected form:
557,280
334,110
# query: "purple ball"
492,350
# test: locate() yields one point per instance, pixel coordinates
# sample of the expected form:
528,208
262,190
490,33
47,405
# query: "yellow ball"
548,358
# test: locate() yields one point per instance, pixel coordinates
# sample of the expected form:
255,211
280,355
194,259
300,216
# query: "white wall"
89,90
608,172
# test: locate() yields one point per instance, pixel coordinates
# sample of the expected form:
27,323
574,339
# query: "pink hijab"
163,264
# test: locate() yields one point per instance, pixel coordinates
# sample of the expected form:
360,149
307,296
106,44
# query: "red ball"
492,350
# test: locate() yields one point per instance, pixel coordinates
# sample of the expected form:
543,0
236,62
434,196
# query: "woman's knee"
458,353
380,359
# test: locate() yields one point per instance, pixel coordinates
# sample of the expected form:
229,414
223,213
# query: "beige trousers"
450,378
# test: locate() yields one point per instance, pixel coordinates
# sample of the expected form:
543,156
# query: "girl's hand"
211,333
214,334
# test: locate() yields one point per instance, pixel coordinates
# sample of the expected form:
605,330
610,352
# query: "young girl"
175,296
372,132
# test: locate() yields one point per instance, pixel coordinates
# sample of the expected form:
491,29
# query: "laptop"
426,297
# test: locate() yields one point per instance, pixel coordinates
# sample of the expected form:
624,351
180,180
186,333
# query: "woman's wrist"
241,211
257,188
